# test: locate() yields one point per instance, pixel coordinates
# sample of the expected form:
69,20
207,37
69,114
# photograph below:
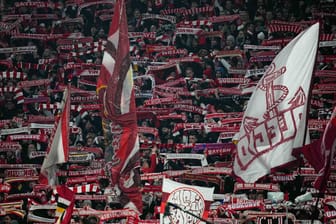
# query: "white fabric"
57,148
275,118
190,198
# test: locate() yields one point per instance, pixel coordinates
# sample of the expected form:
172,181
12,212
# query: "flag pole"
307,112
310,93
68,134
66,163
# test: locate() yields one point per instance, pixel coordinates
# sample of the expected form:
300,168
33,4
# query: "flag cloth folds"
274,121
116,94
320,154
178,199
65,204
58,147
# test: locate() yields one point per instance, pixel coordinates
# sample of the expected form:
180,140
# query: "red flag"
65,204
58,148
321,153
116,93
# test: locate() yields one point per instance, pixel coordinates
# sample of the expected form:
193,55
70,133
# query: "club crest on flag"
189,198
274,121
182,203
282,121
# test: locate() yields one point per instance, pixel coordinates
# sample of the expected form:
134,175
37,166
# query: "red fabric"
116,94
327,149
202,41
321,152
152,167
313,154
115,81
208,73
65,193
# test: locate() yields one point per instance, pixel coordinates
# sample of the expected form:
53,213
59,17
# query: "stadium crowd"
195,64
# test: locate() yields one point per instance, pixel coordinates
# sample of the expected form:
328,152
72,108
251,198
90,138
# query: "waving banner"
58,148
275,118
115,89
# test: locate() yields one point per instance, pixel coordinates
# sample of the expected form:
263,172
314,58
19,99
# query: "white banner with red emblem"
275,118
182,203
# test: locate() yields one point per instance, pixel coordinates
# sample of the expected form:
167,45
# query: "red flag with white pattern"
116,94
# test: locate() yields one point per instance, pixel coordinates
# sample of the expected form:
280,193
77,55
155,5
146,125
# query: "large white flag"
182,203
275,118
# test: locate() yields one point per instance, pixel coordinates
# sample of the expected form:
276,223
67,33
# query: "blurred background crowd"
195,64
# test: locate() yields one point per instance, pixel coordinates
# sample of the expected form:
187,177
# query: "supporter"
244,17
192,138
9,110
7,219
240,39
27,153
136,21
3,158
88,142
244,219
165,133
87,203
149,162
230,42
10,157
90,220
168,146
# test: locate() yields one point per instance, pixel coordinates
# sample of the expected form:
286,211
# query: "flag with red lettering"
321,153
179,200
274,121
58,148
116,94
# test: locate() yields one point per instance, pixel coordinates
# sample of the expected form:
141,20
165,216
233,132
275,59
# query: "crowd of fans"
195,64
